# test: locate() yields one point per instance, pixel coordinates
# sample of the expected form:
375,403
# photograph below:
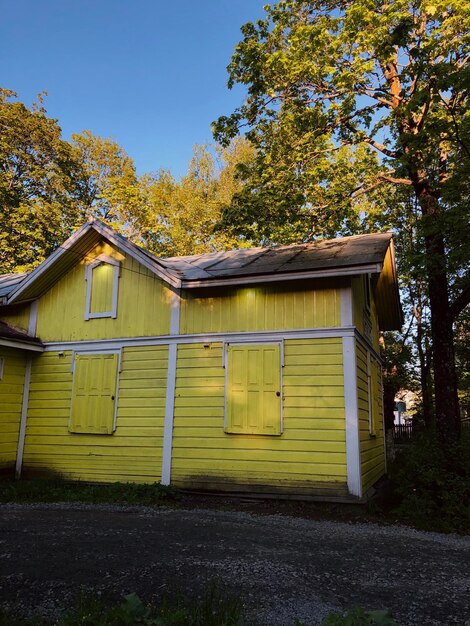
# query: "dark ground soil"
283,566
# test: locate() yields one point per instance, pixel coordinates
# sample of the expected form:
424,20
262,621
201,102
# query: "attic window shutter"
102,276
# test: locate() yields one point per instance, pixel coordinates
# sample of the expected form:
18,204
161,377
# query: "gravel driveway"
283,567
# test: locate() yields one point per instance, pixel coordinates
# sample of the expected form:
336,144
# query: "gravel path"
283,567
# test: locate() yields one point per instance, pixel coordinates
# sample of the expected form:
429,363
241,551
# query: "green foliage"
37,181
183,217
57,490
359,617
48,187
359,112
432,484
214,608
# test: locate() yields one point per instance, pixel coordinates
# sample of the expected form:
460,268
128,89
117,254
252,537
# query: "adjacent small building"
249,371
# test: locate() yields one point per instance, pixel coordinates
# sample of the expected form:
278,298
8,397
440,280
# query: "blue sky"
150,74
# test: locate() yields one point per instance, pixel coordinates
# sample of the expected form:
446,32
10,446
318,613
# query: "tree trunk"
445,378
389,392
424,366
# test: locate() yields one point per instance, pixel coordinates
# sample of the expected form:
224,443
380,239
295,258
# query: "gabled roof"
76,248
14,338
358,254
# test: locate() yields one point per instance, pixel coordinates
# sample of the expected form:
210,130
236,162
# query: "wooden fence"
402,432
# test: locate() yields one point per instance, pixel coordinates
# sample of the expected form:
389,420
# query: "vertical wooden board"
314,304
11,399
143,304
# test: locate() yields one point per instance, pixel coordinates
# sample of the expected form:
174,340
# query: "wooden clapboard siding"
310,455
143,304
132,453
265,307
11,400
372,448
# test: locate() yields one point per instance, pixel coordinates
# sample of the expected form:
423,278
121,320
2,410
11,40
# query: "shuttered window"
94,391
102,276
102,288
253,389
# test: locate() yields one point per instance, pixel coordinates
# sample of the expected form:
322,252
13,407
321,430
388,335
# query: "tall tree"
182,217
392,76
38,176
108,184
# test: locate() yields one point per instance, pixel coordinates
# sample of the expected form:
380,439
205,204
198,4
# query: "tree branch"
460,302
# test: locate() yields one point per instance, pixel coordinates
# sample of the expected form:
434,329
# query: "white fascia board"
244,336
277,278
134,252
105,232
51,259
22,345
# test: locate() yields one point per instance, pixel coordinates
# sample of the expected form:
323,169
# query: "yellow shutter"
253,389
94,389
102,281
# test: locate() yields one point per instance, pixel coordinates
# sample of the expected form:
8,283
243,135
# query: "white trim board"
24,416
262,336
279,277
102,259
170,389
33,318
346,306
21,345
353,452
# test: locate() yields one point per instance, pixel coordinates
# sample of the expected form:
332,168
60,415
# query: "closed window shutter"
253,389
102,280
94,389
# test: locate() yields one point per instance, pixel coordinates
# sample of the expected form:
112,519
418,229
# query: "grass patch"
215,608
59,490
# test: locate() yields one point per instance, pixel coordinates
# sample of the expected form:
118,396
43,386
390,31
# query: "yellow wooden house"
254,370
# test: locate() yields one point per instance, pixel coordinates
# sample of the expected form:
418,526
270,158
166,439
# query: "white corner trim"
169,413
170,389
346,306
175,307
353,453
33,318
24,416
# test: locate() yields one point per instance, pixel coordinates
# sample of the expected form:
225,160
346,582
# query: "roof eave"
370,268
22,345
14,296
